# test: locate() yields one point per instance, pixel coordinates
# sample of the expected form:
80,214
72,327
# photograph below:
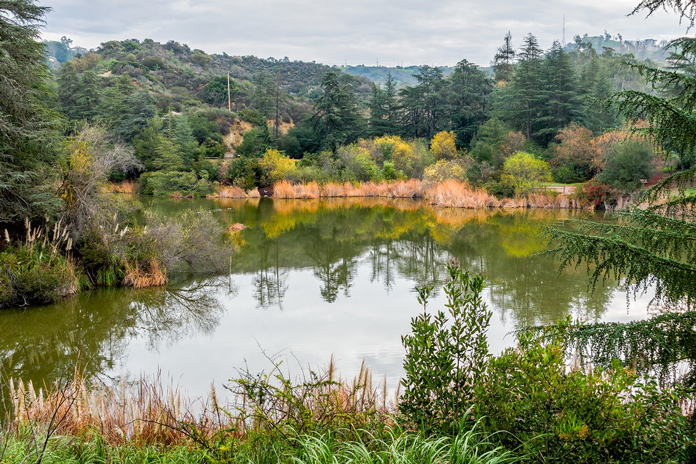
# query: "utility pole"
277,105
564,42
229,98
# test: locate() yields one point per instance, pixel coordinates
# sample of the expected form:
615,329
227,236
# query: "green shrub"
167,183
445,357
34,274
533,399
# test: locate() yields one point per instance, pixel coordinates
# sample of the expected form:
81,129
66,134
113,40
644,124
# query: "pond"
311,280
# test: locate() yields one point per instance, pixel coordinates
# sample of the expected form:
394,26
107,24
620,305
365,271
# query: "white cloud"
439,32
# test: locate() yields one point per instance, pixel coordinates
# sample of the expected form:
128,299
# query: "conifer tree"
504,60
27,131
560,91
469,89
656,243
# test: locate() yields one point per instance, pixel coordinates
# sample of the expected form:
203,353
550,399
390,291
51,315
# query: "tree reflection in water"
93,330
344,244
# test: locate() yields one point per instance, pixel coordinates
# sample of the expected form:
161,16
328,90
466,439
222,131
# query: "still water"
311,279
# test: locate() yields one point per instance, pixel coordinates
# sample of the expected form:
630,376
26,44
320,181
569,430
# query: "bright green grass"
393,447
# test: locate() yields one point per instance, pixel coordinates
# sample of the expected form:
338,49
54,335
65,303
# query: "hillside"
403,76
178,77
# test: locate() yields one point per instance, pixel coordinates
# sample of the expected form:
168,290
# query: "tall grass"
147,412
233,192
147,274
143,413
455,194
39,267
449,193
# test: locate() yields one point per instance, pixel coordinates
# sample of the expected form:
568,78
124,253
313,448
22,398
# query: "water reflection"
93,330
315,277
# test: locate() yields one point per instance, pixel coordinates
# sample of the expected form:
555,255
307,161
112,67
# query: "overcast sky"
408,32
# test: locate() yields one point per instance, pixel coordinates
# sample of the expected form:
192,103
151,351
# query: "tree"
560,92
424,106
383,109
27,129
523,100
336,121
504,60
443,145
468,95
524,172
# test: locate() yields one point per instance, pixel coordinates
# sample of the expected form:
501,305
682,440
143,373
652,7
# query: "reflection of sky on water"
312,280
367,325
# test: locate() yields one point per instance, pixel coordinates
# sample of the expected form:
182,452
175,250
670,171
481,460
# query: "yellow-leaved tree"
444,146
525,172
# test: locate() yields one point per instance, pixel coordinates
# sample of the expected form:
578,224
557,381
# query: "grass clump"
37,269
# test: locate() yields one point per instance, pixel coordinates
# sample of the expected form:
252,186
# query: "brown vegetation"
150,274
147,412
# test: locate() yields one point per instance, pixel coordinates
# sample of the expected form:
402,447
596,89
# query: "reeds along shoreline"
148,412
450,193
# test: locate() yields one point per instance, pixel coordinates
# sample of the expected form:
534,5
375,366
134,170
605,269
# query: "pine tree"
27,129
504,60
523,100
656,243
383,109
469,89
336,121
560,91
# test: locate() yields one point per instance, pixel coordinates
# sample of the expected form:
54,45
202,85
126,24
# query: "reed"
229,191
148,412
143,413
144,275
285,190
456,194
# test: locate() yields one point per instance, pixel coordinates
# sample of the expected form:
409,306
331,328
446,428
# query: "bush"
531,398
626,163
523,172
447,170
445,358
168,183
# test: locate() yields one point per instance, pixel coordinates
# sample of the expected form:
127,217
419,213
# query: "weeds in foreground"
38,268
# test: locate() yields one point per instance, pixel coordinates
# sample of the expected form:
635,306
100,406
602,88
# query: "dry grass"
449,193
233,192
455,194
412,188
145,275
127,186
146,412
284,190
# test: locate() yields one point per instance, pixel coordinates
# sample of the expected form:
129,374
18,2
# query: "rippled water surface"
312,279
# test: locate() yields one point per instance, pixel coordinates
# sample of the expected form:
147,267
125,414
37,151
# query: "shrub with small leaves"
446,355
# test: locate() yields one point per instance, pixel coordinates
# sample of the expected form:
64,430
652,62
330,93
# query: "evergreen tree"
560,91
27,131
384,109
264,95
68,90
424,105
185,141
504,60
336,121
468,94
89,96
522,102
